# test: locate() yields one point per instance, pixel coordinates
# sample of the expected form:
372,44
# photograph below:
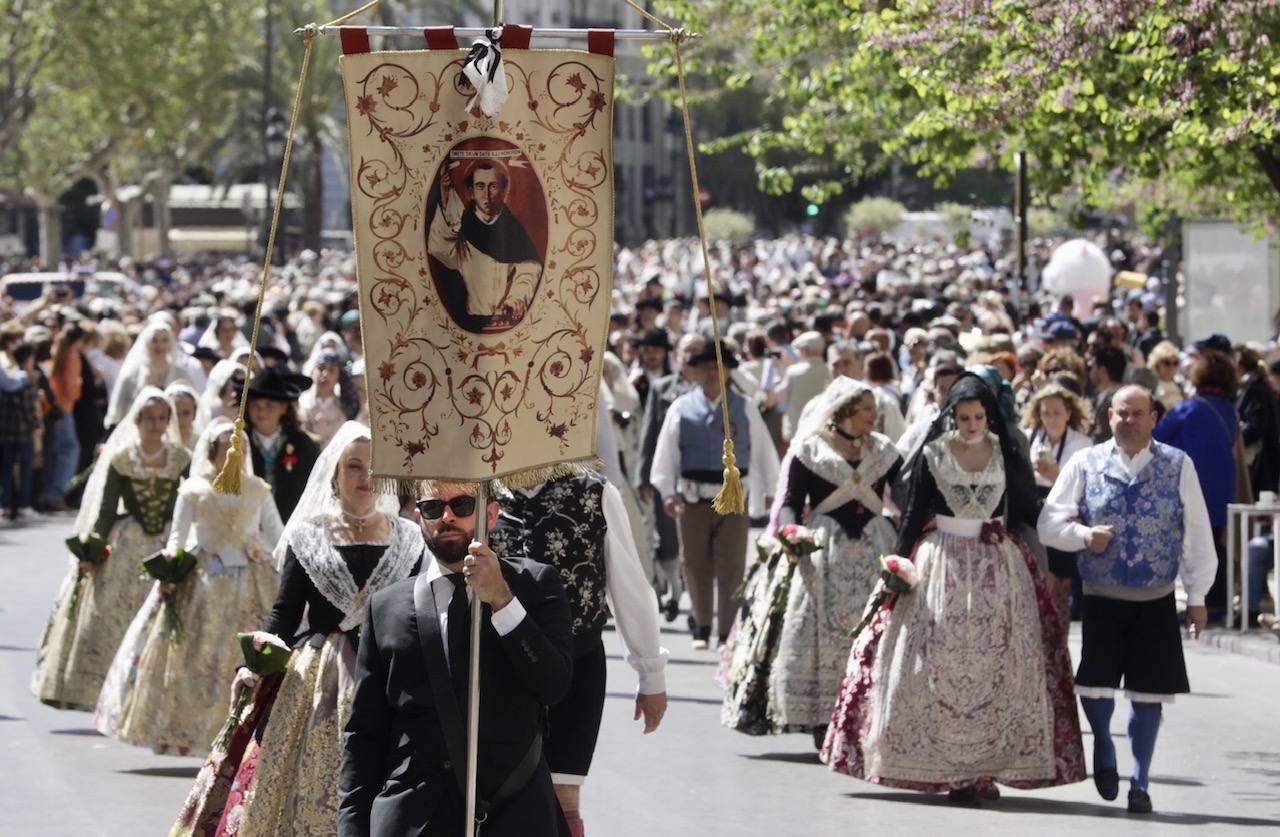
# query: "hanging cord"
731,499
228,479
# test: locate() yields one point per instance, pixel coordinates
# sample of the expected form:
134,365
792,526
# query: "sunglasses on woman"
433,509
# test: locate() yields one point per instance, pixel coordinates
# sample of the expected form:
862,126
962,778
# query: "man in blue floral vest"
1133,509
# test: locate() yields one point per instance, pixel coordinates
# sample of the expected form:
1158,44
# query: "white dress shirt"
1060,525
1073,442
762,470
442,587
630,596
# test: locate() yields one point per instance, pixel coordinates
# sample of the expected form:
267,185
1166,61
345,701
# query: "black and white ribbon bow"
483,68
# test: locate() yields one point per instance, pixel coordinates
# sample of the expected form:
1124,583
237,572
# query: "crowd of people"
1024,453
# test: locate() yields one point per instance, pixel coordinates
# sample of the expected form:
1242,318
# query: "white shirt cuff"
1195,599
653,679
506,620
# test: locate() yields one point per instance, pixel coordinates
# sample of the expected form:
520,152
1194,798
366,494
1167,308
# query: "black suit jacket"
397,776
291,480
661,396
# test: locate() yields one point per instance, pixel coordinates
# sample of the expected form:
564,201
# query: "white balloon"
1080,268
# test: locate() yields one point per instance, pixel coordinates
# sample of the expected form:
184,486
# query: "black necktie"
459,638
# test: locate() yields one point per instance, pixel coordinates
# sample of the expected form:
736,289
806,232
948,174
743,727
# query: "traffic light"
812,210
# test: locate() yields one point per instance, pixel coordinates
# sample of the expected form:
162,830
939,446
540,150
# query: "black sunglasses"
463,506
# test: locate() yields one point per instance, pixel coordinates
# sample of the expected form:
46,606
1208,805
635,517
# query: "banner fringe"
413,486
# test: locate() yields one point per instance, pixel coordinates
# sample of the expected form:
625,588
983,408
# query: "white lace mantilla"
852,483
969,494
314,548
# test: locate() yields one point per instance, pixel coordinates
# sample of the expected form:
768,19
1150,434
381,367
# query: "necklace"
150,458
856,441
358,521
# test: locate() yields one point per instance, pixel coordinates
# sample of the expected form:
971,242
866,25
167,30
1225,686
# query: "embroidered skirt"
827,598
77,648
748,656
170,693
965,678
287,781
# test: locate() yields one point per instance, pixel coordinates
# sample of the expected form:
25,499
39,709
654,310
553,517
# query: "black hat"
707,354
649,302
205,353
274,385
653,337
272,353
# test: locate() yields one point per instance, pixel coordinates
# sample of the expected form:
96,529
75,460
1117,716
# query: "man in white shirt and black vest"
1135,506
578,524
688,473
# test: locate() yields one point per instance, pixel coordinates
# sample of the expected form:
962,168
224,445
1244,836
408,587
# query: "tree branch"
1269,159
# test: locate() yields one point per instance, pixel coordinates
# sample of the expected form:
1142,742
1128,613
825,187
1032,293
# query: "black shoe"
988,792
1139,801
967,795
1107,781
671,610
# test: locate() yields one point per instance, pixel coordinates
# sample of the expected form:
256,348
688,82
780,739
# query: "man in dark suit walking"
403,765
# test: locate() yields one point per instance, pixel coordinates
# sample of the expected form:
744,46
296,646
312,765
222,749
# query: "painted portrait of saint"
486,234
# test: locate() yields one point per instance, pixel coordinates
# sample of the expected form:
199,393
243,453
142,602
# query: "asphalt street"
1217,767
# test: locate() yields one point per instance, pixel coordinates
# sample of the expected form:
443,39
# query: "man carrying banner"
578,524
404,754
688,473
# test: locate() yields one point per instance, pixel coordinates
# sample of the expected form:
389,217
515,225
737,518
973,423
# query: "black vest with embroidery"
563,525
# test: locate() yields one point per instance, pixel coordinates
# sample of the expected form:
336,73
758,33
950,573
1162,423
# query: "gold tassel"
730,499
228,479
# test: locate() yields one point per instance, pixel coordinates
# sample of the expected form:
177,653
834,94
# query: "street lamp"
273,142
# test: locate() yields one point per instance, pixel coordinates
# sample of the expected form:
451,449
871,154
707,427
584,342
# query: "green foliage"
957,216
728,225
1167,97
1042,222
873,216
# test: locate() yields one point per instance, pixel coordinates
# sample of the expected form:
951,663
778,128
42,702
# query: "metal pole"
538,34
473,688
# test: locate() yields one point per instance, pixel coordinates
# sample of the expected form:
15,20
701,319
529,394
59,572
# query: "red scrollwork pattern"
436,383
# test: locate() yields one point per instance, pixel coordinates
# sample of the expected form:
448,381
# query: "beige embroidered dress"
78,648
169,692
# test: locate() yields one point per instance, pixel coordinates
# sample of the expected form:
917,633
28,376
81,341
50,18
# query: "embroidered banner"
484,253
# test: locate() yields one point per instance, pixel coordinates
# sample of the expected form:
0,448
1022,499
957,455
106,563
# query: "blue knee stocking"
1099,711
1144,723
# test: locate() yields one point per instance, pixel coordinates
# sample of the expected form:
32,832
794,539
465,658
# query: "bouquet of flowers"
264,654
897,576
169,571
90,549
799,541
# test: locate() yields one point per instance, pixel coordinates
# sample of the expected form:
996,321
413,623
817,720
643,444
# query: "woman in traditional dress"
140,467
221,396
164,690
964,681
155,360
343,544
834,484
190,412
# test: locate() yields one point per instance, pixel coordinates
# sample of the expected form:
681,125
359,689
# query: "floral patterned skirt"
287,780
748,656
827,598
207,800
77,648
966,678
170,693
